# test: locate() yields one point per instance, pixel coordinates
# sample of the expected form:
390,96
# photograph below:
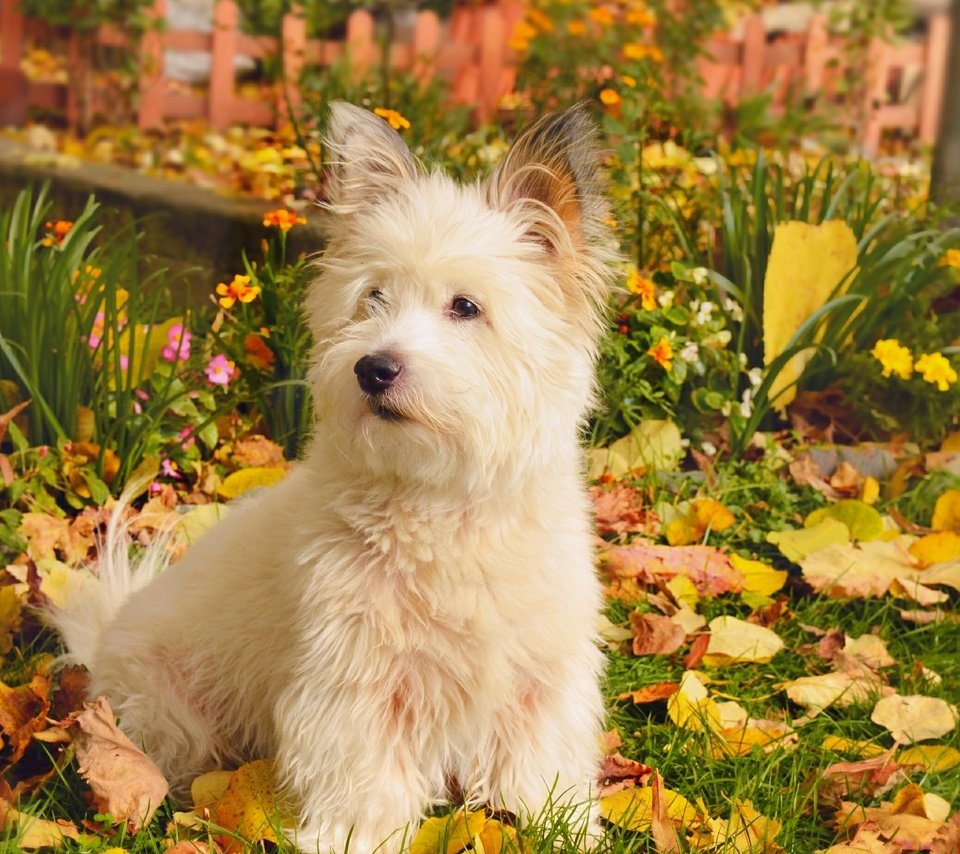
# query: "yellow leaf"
250,805
862,520
652,444
946,512
495,838
870,491
797,544
817,693
759,577
712,515
746,831
806,264
680,532
936,548
633,808
914,718
11,601
33,832
197,520
733,641
246,479
854,746
208,788
951,442
935,758
691,707
448,834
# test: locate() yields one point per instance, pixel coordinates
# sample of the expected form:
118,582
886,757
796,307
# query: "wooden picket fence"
470,51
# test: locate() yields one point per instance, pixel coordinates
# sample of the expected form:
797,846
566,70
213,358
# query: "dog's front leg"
356,787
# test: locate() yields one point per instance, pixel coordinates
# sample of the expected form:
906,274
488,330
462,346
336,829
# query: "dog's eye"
462,307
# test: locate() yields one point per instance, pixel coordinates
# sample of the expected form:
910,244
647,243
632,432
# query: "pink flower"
96,333
169,469
184,433
178,344
220,370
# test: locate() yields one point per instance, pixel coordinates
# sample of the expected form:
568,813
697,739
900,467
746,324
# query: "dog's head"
457,326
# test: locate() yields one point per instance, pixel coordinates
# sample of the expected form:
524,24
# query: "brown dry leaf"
610,741
914,718
733,641
651,693
805,471
23,713
662,829
849,571
70,690
948,837
257,451
865,777
847,481
189,846
618,510
910,832
924,618
123,780
250,806
618,772
706,568
11,604
870,651
654,634
52,537
867,841
946,512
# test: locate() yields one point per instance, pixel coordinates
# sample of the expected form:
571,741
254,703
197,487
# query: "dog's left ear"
550,179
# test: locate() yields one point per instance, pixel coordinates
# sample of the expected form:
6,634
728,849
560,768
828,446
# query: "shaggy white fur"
416,603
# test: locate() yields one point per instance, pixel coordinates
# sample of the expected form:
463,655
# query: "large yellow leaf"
946,512
796,544
250,805
633,808
652,444
915,718
935,758
759,577
862,520
733,641
448,834
246,479
806,264
937,547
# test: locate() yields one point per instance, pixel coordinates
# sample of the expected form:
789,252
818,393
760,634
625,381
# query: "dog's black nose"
377,373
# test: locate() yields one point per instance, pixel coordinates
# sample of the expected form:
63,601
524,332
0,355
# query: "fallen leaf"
869,650
863,521
706,568
208,788
691,706
704,515
867,841
23,713
123,781
11,604
817,693
651,693
848,571
733,641
448,834
857,747
755,733
759,577
946,512
654,634
257,451
238,482
618,772
933,758
909,832
866,777
796,544
250,806
746,831
633,808
936,547
33,832
915,717
662,828
618,510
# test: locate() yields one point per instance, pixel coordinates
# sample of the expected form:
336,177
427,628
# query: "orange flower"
627,80
601,15
394,119
239,289
644,288
540,20
520,39
282,219
640,17
576,28
662,353
56,232
258,353
637,51
609,97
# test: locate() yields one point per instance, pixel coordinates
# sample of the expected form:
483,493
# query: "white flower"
704,313
708,448
755,376
665,299
699,275
734,309
746,403
742,358
690,352
718,340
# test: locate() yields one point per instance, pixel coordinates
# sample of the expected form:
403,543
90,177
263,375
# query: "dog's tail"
92,599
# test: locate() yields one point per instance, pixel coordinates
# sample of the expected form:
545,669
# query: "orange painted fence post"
150,112
13,83
361,43
426,44
226,21
293,44
934,77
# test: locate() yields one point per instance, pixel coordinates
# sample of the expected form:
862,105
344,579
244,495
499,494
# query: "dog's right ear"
368,159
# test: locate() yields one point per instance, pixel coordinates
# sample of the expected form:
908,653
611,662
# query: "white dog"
413,609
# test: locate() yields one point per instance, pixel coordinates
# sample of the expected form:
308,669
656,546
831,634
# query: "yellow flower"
952,258
601,15
634,50
282,219
394,119
629,81
640,17
56,232
522,33
239,289
644,288
895,358
936,369
610,97
662,353
540,19
576,28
